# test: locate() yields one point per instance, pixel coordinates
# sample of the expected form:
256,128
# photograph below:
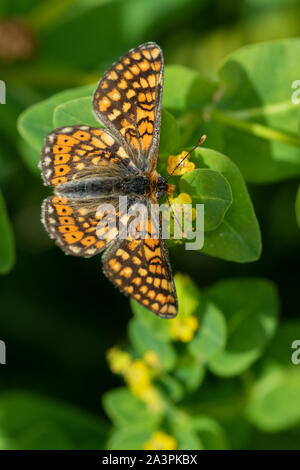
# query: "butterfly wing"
128,102
141,269
81,151
79,228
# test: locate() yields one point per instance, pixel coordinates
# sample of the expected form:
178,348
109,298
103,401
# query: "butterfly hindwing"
141,269
128,102
77,226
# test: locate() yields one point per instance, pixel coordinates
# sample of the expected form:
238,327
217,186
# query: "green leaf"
188,294
260,122
188,439
124,409
143,340
186,89
183,431
169,134
297,207
190,372
281,350
33,422
37,120
250,307
173,388
129,438
237,238
211,336
210,432
210,188
157,326
77,111
7,246
274,400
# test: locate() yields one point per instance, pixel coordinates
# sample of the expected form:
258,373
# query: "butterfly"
89,165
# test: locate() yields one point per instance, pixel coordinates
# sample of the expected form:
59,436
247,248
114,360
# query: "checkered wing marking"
141,269
128,102
75,225
78,151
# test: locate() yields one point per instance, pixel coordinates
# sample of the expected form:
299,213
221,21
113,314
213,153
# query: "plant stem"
254,128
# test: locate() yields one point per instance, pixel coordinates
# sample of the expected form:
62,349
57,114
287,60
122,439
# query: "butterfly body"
97,187
90,166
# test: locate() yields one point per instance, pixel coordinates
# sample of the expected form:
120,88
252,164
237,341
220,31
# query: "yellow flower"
152,359
183,168
151,397
118,360
184,198
161,441
181,200
184,328
137,376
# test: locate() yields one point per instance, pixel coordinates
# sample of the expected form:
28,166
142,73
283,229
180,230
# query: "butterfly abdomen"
98,187
89,188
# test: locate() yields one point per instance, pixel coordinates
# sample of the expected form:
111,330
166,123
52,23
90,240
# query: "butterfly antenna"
200,141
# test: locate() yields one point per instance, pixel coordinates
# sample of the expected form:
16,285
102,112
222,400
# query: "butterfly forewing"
80,151
128,102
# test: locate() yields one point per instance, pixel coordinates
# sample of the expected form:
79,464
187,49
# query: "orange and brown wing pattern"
128,102
76,225
141,269
78,151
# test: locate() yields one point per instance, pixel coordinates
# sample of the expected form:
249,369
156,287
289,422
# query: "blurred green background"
58,314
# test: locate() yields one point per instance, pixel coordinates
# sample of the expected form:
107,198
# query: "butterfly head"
162,187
